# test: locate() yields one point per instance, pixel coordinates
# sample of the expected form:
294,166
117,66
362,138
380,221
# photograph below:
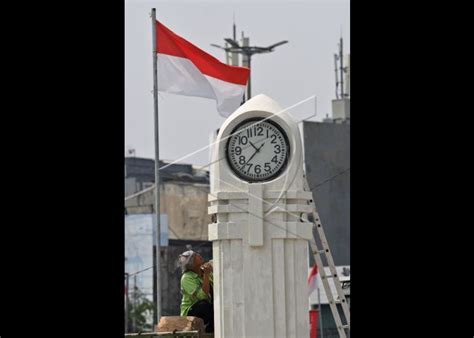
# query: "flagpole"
156,253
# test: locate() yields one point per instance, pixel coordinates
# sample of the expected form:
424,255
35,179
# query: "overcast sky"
295,71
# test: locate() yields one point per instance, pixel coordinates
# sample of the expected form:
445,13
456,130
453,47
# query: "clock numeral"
242,159
249,132
274,137
267,133
250,166
238,150
267,166
277,147
257,169
259,131
243,140
275,159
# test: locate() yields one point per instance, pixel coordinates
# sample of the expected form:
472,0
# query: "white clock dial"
257,151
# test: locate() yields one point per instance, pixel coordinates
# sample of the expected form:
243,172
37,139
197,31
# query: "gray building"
327,161
140,174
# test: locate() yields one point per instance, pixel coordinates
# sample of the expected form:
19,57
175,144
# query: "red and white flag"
185,69
312,280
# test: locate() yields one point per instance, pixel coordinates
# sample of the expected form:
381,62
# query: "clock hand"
249,159
257,142
253,155
253,145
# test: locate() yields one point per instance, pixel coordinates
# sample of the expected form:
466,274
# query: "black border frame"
285,164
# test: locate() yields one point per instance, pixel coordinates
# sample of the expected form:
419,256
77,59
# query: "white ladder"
342,326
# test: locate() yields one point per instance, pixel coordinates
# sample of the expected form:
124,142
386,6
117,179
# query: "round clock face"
257,151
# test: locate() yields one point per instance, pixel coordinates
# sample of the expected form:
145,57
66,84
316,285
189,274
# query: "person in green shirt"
196,288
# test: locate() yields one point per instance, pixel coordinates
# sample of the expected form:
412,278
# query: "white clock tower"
260,236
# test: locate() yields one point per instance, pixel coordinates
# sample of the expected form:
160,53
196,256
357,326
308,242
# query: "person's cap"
188,253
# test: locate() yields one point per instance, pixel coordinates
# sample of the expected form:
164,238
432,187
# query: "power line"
140,271
331,178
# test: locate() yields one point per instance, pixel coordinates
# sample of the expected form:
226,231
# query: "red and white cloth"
312,280
187,70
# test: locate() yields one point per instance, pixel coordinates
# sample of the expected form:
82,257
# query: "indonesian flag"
312,285
185,69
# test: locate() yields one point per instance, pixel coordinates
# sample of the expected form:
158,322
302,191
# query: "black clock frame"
276,174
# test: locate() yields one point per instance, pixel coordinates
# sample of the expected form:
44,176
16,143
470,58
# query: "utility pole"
247,62
126,301
134,320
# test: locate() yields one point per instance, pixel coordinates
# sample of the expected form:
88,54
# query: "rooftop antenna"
246,51
341,67
234,29
337,79
131,152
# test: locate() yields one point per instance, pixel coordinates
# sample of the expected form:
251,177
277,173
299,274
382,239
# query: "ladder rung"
337,301
344,326
328,276
317,252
